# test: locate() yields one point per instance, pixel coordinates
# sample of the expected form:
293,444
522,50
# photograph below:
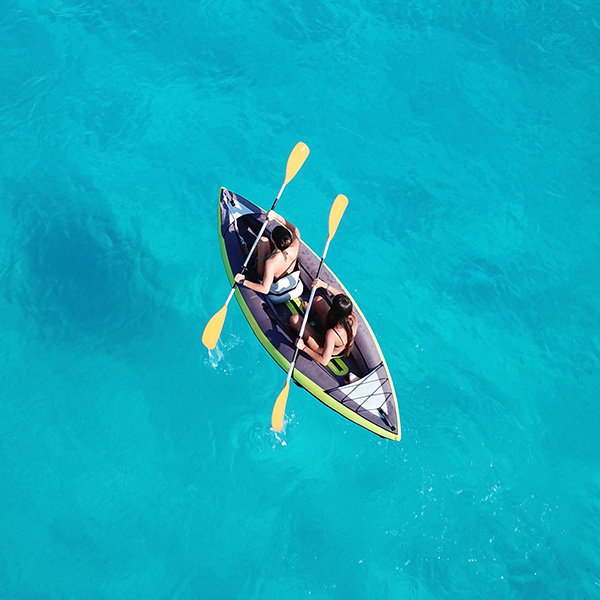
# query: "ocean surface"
136,464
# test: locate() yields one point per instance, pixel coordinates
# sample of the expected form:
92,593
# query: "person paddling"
340,325
276,263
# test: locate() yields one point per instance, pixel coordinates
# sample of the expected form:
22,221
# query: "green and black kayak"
359,386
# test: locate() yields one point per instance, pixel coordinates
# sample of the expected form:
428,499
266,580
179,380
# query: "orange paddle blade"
335,214
297,157
212,331
279,408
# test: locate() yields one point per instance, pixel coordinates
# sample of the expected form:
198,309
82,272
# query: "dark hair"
281,236
339,313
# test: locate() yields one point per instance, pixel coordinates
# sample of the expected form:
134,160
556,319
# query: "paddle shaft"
305,319
335,214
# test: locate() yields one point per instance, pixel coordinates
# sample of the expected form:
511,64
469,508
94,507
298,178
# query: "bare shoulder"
330,337
274,259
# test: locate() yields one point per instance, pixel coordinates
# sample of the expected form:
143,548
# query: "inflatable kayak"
359,386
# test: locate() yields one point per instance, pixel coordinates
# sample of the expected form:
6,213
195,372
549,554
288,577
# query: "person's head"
282,238
341,307
339,313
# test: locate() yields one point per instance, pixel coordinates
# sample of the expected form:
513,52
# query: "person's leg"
312,337
262,251
321,307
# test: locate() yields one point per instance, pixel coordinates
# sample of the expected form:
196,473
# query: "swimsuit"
338,353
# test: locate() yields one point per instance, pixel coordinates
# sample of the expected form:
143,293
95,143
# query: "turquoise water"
134,464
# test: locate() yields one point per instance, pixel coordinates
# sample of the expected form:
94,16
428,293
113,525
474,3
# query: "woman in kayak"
276,263
340,325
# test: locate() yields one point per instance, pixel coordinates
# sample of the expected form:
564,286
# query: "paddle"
335,216
213,328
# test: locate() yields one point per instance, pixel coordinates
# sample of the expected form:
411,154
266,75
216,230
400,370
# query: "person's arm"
272,215
267,282
319,283
322,355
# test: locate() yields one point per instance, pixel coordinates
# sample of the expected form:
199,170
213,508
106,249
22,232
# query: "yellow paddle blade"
335,214
297,157
212,331
279,408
